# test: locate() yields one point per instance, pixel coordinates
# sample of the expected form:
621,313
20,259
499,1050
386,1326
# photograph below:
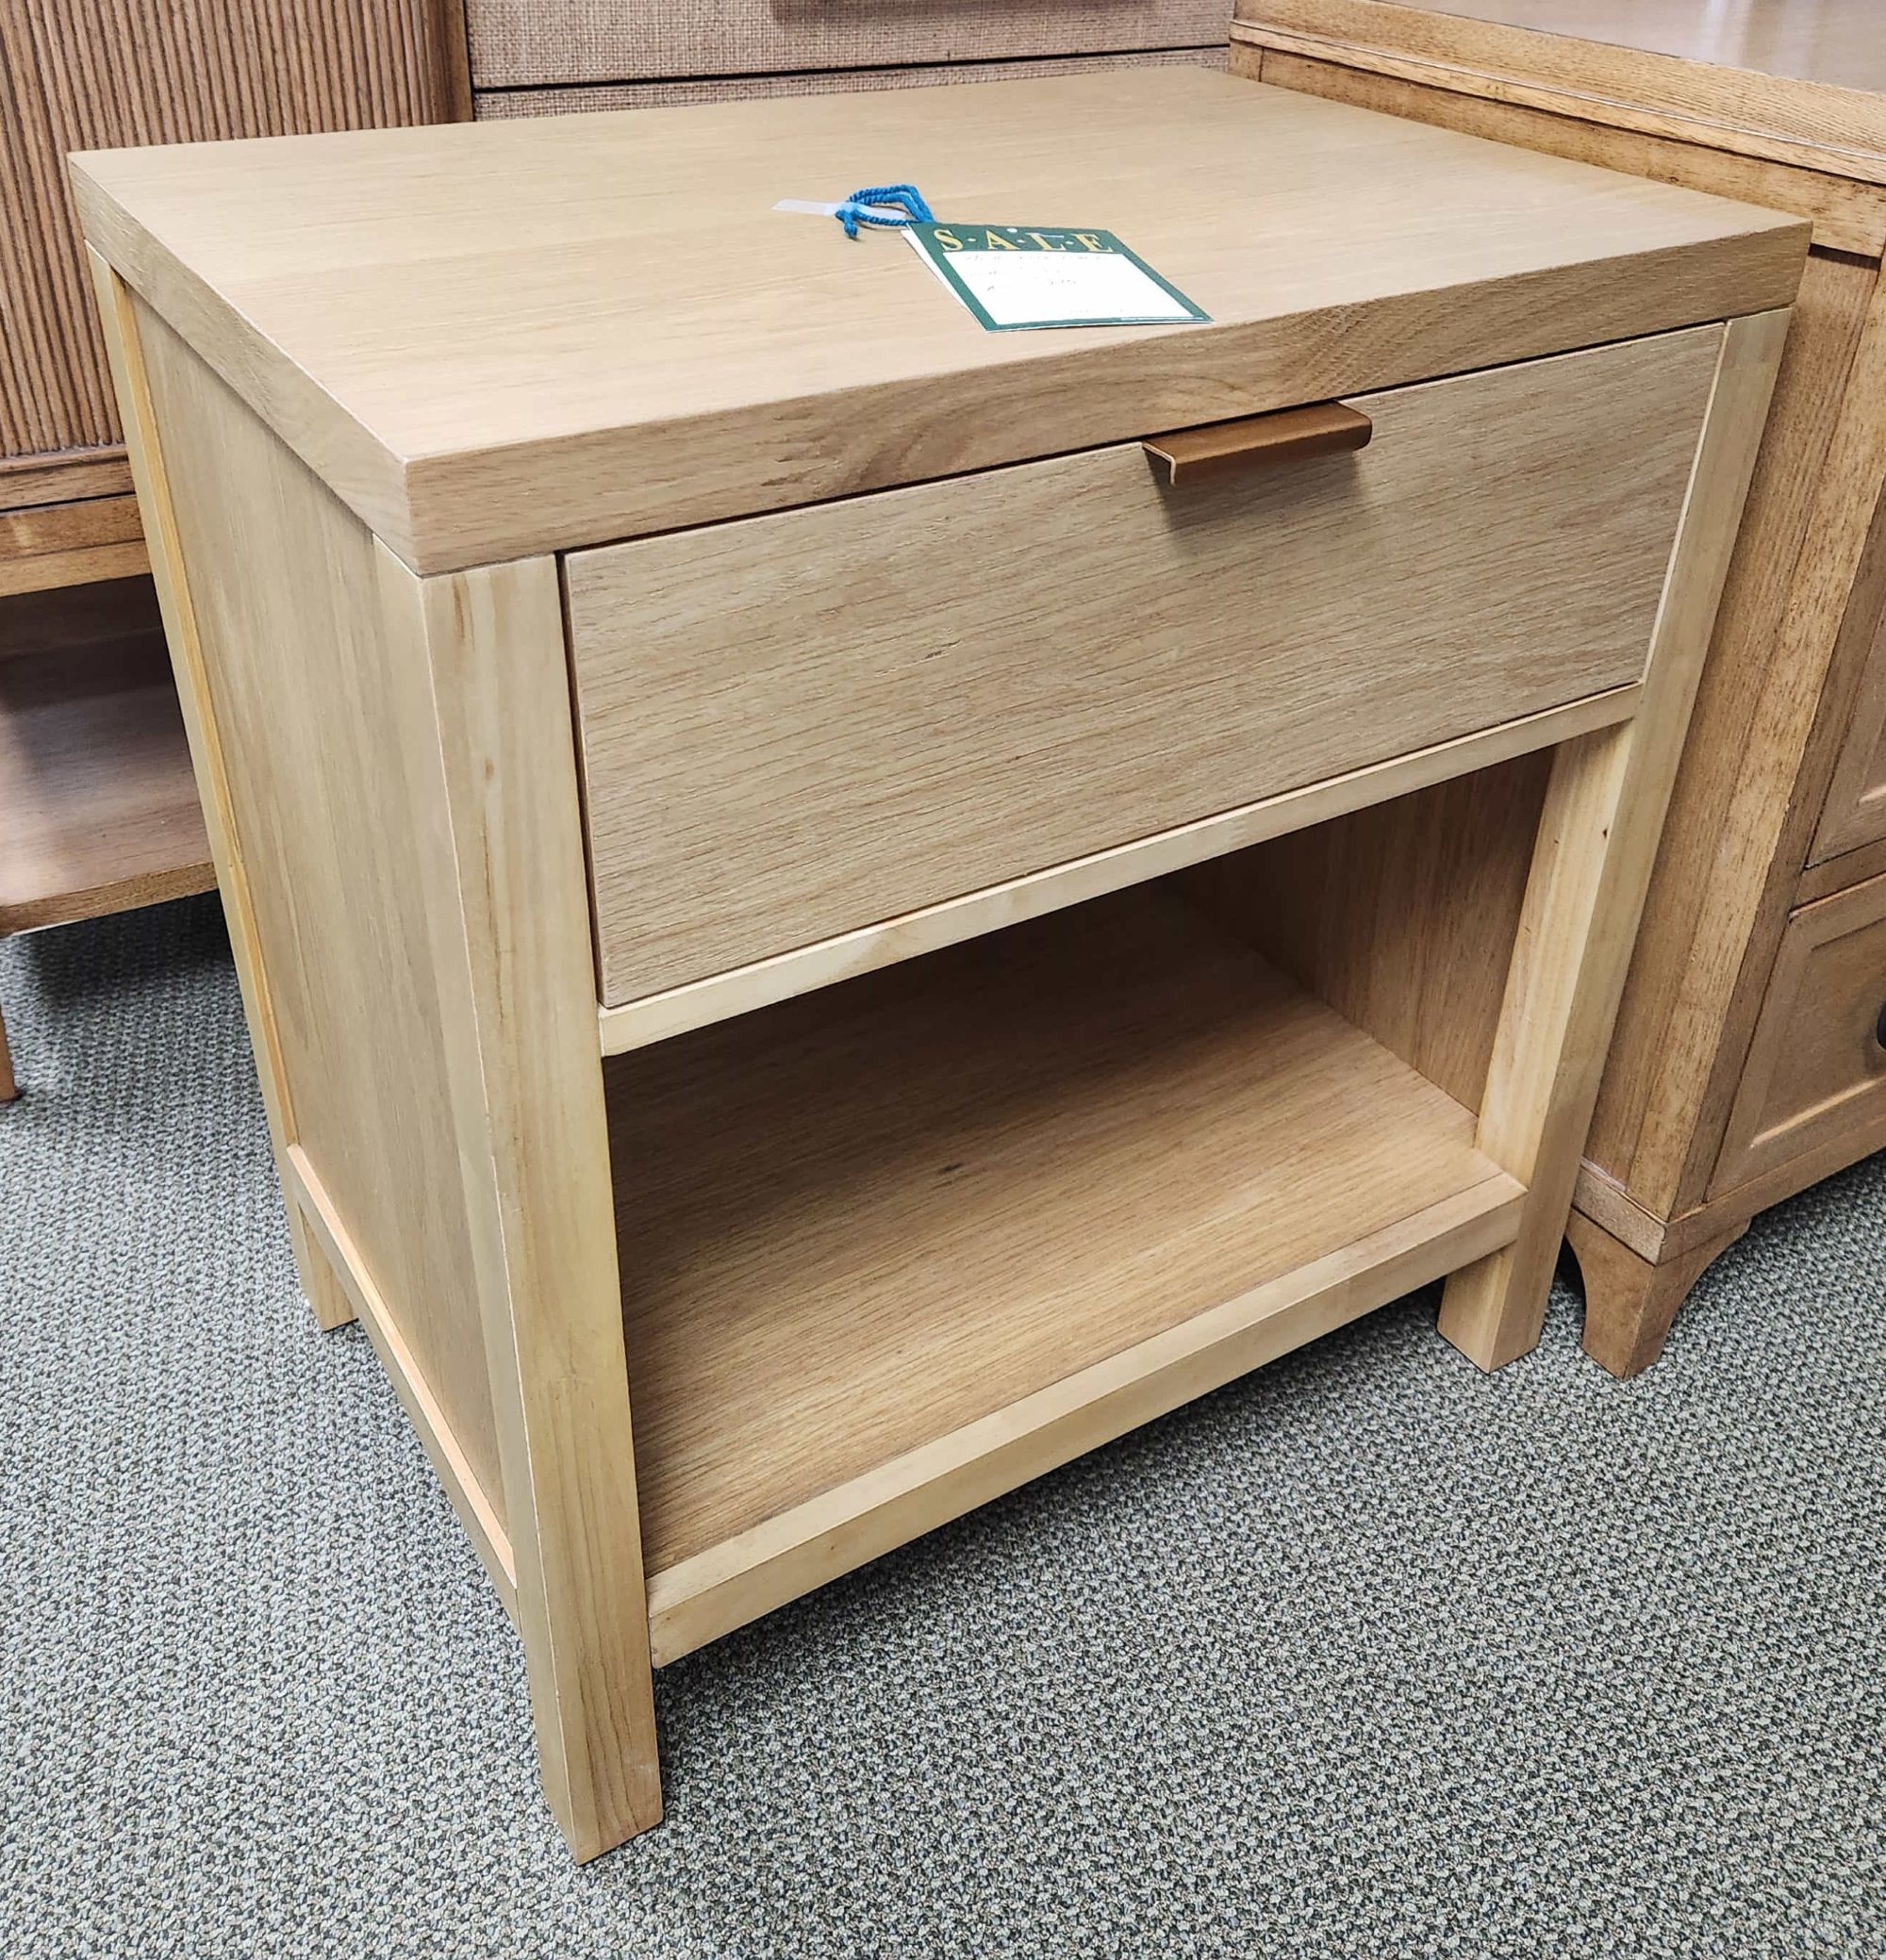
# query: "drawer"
799,724
1816,1071
516,42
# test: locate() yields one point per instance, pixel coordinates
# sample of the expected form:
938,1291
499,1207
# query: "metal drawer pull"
1289,436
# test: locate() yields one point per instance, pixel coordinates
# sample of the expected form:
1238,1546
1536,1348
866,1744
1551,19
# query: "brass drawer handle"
1879,1027
1289,436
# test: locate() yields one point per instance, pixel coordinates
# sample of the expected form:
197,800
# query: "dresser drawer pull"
1289,436
1879,1027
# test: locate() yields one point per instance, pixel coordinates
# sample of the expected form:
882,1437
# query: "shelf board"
897,1245
101,807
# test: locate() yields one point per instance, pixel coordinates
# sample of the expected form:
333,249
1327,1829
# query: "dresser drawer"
1816,1071
798,724
517,43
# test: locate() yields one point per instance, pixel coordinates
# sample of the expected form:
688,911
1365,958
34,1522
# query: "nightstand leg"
1629,1303
1591,868
10,1088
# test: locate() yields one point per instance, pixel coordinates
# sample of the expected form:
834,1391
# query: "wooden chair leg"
9,1087
1629,1303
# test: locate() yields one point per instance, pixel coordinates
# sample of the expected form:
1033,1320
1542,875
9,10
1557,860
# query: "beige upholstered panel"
497,103
517,43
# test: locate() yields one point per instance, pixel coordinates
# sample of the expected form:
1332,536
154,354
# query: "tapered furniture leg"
1591,868
1629,1303
10,1088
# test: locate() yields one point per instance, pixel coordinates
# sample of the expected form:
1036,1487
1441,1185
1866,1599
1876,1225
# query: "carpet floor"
1368,1655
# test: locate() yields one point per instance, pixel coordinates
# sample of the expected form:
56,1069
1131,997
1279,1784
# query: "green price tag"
1015,276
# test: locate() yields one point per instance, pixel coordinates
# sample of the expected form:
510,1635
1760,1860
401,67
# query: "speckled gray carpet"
1367,1656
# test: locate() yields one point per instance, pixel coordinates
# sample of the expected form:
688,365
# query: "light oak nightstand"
735,791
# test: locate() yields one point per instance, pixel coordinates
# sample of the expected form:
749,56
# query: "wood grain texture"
1854,812
1460,1002
1401,915
190,664
797,726
1787,701
1832,874
1802,81
573,99
521,42
96,473
90,73
508,932
100,804
1806,713
1760,693
1816,1067
1846,216
350,1276
789,1554
1629,1303
1591,870
858,1222
300,666
447,349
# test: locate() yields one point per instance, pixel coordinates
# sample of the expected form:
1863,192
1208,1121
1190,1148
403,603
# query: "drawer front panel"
521,42
798,724
1816,1070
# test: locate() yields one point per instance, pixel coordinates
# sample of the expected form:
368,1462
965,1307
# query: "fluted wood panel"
517,43
81,74
498,103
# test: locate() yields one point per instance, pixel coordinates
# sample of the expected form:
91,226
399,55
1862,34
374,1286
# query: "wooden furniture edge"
637,1023
1816,676
715,1592
1591,870
101,901
145,450
1657,1240
1848,216
1832,874
86,564
1633,87
519,1021
356,468
482,1523
63,476
1630,1301
1602,1199
409,503
508,915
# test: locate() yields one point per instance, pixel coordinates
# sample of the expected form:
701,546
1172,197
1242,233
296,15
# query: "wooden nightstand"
734,787
1750,1053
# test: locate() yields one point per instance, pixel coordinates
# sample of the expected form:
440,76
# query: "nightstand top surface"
497,340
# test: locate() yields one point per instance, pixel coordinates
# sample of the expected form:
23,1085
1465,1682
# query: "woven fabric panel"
497,104
79,75
516,44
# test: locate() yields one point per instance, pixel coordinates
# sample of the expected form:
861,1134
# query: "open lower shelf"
100,806
894,1248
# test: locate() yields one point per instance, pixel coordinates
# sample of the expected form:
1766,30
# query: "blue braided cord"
905,197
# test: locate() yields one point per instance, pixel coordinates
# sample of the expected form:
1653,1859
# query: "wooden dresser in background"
98,810
1749,1058
97,807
